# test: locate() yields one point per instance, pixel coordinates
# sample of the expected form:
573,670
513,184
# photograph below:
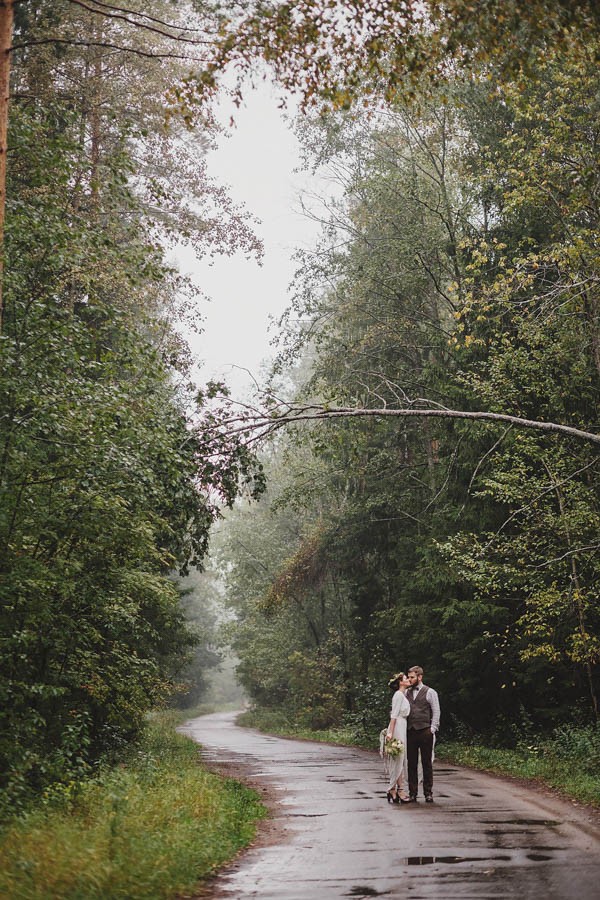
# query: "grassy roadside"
568,763
274,722
153,828
562,774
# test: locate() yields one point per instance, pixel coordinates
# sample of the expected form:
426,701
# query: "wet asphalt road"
336,836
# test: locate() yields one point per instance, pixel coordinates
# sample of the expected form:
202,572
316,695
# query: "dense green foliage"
567,761
153,828
460,268
107,489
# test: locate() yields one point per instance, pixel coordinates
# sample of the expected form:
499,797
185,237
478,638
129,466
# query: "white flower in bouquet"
394,747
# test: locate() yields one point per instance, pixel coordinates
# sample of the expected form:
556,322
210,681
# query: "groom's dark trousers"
419,739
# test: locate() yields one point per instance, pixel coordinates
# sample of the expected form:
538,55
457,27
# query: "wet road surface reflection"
337,836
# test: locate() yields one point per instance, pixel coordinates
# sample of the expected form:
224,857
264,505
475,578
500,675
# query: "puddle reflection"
449,860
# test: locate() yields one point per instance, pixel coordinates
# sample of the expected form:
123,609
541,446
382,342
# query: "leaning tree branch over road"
227,422
268,423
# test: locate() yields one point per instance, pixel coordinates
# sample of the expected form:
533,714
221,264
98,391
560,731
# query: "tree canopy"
333,51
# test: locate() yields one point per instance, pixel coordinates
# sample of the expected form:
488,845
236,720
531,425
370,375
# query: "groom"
423,722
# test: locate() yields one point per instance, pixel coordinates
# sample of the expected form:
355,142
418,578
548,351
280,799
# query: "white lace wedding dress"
396,766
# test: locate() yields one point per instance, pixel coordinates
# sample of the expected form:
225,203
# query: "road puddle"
361,890
450,860
546,823
305,815
453,860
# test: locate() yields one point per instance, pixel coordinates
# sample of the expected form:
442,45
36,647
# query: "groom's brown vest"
420,710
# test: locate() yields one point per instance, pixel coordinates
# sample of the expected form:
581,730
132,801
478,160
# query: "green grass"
153,828
560,773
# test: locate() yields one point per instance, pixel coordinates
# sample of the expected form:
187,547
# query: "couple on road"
414,721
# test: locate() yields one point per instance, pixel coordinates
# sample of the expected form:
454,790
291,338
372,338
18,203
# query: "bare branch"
139,15
263,421
105,44
124,18
539,496
575,552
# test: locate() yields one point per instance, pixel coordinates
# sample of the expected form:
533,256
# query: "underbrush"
151,828
568,760
277,722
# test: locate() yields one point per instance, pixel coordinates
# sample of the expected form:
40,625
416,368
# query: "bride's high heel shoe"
392,798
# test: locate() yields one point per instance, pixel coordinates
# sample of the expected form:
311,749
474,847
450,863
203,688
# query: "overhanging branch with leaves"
253,423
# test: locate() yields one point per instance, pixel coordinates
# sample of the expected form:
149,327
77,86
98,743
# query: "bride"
396,766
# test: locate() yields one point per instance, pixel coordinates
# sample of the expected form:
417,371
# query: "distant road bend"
337,837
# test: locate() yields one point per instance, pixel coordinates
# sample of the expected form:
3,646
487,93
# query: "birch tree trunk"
6,34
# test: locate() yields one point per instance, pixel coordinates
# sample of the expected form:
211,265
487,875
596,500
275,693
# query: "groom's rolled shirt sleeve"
434,702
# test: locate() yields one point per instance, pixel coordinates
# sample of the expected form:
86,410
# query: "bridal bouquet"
393,747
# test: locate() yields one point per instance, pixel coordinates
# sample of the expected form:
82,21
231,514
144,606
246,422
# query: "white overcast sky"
256,160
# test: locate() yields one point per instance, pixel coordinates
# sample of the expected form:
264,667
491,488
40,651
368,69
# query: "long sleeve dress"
396,766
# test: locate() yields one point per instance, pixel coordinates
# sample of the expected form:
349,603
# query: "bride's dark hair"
394,682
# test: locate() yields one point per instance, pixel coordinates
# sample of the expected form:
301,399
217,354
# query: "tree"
529,337
6,31
102,29
332,51
106,489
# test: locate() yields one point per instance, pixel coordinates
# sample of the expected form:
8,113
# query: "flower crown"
395,678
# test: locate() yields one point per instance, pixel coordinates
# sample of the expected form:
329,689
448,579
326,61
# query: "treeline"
458,267
105,490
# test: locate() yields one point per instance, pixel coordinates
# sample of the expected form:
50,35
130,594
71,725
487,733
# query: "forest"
416,482
456,272
106,495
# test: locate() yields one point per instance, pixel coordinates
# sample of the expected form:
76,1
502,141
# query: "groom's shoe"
428,799
411,799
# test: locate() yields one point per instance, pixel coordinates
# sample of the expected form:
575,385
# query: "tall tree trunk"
576,593
7,13
95,89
